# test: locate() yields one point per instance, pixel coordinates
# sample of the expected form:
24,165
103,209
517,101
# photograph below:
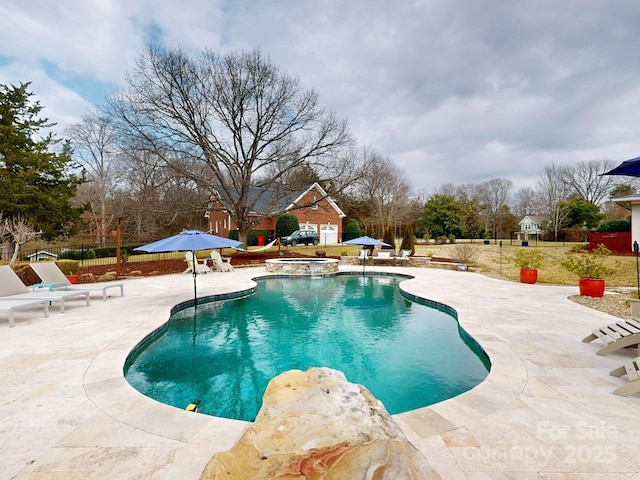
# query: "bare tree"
96,148
493,196
585,179
386,192
156,199
553,191
15,232
238,116
527,201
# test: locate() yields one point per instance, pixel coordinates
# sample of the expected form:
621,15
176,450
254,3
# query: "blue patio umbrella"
365,241
630,168
189,241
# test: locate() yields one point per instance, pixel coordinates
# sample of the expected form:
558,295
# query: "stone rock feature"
316,425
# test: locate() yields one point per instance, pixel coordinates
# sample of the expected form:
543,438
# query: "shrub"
68,267
467,253
286,224
442,239
588,264
388,238
252,236
81,254
614,226
352,230
408,240
528,258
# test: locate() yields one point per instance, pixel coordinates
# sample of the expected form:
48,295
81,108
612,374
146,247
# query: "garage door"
309,227
328,234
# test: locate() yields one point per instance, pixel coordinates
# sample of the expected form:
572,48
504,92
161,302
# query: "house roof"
322,192
268,202
534,219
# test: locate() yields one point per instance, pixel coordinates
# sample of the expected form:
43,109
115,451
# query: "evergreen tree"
408,240
36,183
389,238
352,230
286,224
443,215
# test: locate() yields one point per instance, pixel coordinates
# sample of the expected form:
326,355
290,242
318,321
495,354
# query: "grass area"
498,262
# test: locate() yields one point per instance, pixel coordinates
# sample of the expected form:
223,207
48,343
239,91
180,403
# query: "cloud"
453,92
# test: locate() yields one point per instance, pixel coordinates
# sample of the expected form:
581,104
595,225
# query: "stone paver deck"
546,410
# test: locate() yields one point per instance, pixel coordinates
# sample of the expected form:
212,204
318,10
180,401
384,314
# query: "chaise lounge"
9,306
54,279
12,289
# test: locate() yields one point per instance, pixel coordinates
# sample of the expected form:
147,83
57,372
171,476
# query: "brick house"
314,209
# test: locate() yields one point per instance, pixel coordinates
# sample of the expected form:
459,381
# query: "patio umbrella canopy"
365,241
189,240
630,168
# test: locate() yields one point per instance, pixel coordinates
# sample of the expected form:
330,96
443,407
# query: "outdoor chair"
9,306
194,263
632,370
12,289
621,334
54,279
220,265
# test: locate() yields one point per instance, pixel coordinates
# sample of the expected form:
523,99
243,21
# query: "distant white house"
531,227
42,255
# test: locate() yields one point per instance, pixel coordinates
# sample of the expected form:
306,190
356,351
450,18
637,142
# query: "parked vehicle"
301,236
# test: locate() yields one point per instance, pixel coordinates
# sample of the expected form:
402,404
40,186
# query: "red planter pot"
73,278
528,275
591,287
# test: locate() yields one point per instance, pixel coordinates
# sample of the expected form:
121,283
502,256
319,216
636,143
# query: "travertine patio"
546,410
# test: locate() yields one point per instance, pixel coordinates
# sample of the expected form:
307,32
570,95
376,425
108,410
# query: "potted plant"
591,268
528,261
70,269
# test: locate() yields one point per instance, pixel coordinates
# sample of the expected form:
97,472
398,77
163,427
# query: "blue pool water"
407,354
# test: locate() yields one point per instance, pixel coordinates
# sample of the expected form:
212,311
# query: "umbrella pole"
635,250
195,293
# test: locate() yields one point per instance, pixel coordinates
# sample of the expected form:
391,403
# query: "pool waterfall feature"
302,266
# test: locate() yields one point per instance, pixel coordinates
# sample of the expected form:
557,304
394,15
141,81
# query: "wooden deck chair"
621,334
219,264
54,279
632,370
192,262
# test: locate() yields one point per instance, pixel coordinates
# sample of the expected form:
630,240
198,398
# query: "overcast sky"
452,91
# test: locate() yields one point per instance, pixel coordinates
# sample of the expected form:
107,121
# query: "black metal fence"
90,254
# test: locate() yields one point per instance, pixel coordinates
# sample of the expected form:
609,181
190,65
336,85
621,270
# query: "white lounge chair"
12,289
193,262
219,264
54,279
632,369
9,306
621,334
404,255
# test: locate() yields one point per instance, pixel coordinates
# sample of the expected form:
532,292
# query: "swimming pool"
409,355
